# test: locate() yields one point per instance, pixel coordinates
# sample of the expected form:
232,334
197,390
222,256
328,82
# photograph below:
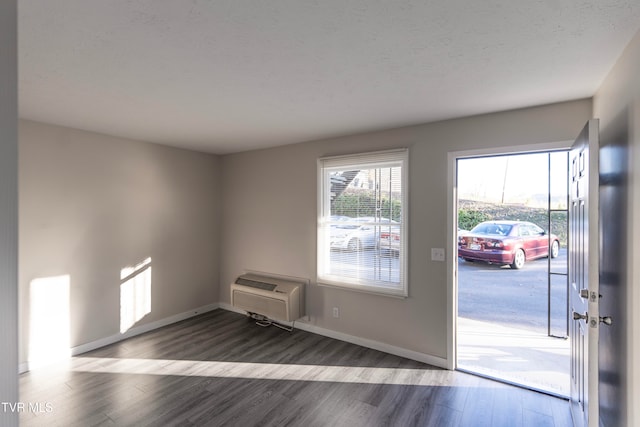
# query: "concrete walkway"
514,355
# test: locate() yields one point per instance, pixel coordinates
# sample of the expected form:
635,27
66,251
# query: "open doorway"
512,293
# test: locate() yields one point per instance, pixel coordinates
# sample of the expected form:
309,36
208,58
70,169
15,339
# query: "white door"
583,275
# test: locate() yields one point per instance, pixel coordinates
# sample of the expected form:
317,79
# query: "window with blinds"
362,222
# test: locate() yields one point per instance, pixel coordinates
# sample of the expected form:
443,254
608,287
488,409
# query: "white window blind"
362,221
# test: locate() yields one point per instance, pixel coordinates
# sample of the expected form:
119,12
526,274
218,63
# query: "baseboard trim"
136,330
372,344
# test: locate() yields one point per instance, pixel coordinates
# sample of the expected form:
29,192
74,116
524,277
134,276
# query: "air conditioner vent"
255,284
276,298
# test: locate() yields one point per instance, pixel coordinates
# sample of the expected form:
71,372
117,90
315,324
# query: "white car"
358,233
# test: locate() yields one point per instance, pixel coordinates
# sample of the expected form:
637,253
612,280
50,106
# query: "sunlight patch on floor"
259,371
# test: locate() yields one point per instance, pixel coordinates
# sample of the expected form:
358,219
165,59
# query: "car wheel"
518,260
355,245
555,249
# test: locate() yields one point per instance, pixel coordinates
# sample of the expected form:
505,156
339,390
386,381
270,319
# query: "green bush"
467,219
363,203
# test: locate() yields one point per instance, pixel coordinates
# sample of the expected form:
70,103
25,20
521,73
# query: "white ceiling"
231,75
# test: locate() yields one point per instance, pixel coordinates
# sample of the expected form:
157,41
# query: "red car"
507,243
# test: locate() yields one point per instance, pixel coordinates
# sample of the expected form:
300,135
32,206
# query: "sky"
521,179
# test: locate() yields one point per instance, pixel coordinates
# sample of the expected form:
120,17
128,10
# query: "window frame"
367,160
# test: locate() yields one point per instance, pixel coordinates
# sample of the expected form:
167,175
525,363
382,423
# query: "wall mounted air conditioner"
274,297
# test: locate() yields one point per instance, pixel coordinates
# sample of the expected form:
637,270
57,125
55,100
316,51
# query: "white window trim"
372,160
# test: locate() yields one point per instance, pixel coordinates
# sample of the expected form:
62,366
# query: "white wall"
269,217
617,105
91,205
8,210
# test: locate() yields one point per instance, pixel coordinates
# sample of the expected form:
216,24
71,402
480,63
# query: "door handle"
578,316
607,320
584,293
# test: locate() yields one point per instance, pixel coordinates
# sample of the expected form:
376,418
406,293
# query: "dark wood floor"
220,368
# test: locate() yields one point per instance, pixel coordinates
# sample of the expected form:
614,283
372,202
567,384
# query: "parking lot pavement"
366,264
509,297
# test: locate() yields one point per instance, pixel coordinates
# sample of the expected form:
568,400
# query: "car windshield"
492,228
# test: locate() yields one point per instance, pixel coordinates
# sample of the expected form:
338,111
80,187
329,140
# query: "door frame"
452,221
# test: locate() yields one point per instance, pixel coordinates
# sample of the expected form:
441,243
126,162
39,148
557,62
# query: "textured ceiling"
231,75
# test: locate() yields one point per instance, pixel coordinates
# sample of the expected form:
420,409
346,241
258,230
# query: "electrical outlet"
437,254
336,312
